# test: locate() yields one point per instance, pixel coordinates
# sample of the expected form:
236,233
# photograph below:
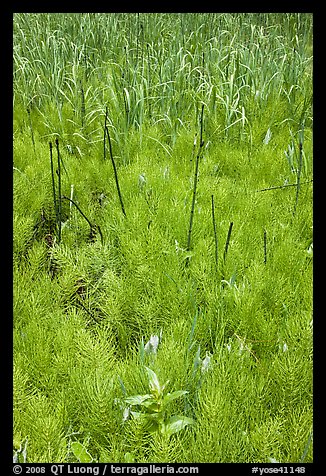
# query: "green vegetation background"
85,305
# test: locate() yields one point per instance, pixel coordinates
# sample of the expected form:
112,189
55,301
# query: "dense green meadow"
162,222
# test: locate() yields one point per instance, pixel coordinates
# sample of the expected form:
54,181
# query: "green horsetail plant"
115,172
92,303
201,143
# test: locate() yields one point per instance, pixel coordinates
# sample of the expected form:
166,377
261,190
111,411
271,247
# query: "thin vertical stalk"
92,226
71,197
298,177
193,204
201,126
265,247
82,214
148,83
104,135
59,191
142,47
53,184
83,110
195,180
126,100
227,241
215,235
115,172
203,67
137,44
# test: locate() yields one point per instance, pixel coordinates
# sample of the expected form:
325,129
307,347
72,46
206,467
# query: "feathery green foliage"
100,295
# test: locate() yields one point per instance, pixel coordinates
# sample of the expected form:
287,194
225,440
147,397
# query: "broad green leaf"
154,417
138,415
176,423
151,405
152,425
154,384
137,399
172,396
80,452
164,386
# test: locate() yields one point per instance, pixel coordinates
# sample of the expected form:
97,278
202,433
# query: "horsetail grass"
106,299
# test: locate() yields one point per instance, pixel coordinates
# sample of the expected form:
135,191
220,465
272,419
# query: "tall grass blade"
83,108
104,134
